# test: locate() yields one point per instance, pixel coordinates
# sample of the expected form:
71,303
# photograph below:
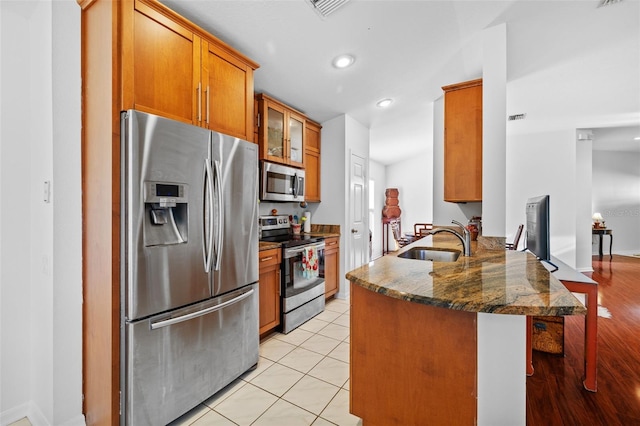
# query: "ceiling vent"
517,117
326,7
607,2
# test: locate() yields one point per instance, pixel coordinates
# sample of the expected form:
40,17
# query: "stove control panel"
274,222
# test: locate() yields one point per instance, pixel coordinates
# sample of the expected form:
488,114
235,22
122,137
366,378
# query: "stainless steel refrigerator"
189,265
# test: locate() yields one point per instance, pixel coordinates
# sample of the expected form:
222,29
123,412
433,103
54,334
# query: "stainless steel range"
302,286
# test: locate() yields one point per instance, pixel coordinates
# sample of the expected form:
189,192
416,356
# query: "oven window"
300,276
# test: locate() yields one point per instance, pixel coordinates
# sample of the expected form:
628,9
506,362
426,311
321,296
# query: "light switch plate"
47,191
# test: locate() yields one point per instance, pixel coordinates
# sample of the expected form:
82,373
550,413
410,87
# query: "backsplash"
325,229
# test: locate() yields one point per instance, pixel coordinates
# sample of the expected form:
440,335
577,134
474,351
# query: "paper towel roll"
307,222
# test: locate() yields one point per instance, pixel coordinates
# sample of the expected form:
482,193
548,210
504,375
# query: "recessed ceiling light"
343,61
637,138
384,103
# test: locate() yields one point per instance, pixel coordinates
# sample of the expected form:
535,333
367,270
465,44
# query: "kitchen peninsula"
427,345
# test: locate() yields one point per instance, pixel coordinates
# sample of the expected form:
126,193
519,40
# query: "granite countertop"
492,281
266,245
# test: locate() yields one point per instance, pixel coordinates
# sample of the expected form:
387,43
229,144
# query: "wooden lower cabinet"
269,285
331,266
411,364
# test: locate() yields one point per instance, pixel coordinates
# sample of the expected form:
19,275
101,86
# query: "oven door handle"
289,253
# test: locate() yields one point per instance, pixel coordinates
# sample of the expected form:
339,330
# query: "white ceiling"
408,50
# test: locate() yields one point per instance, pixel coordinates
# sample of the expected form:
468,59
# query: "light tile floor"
302,378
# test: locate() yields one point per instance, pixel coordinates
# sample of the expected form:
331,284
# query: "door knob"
354,231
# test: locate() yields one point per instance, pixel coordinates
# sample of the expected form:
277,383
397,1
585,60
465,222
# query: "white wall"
15,224
377,173
616,195
539,164
414,180
40,257
494,132
41,214
341,137
584,150
331,209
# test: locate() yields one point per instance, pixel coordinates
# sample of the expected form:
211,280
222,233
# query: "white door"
359,231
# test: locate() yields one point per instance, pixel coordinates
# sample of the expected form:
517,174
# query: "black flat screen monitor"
538,230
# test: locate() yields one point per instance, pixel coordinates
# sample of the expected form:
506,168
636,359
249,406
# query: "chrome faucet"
465,238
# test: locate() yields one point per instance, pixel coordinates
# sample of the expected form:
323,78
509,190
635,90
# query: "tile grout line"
298,345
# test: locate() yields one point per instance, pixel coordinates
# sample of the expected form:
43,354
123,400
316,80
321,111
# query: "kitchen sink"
434,254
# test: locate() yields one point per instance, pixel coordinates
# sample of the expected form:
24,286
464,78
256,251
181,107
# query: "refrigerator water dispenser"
166,213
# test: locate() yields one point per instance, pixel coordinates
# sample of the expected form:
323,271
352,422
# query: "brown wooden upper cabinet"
312,161
185,74
463,142
281,132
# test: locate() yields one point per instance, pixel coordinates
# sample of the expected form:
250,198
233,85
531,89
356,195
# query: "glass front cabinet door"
275,134
280,132
296,139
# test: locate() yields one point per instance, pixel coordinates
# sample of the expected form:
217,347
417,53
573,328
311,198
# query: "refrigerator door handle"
192,315
219,231
207,241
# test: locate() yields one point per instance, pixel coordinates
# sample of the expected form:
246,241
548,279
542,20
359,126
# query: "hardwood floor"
555,395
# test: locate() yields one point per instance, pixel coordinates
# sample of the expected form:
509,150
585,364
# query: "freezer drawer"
176,360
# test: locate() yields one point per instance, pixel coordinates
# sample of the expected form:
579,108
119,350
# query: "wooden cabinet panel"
331,266
269,284
312,176
166,66
312,162
228,94
187,75
411,364
463,142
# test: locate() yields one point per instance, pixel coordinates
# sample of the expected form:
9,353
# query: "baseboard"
29,410
14,414
78,420
36,417
620,252
32,412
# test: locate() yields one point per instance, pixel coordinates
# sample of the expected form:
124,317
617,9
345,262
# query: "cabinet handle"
199,90
207,105
332,244
266,258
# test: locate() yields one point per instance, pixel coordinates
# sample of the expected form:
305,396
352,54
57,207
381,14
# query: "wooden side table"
600,232
576,282
385,233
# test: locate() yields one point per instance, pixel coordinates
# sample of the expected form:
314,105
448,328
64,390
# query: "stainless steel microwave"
281,183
